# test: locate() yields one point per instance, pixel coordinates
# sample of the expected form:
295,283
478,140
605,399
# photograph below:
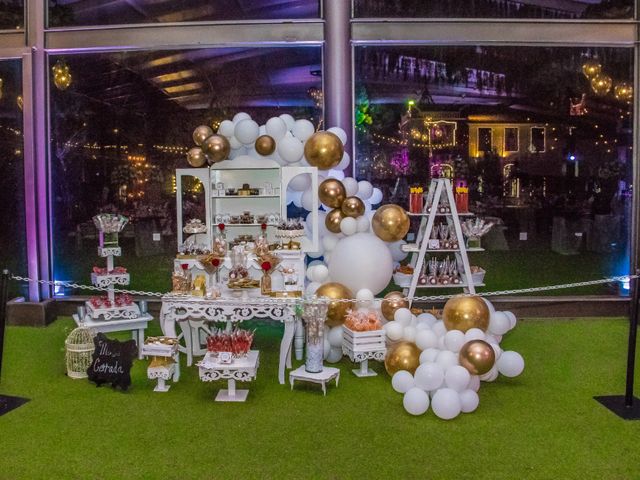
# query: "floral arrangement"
362,321
110,222
238,341
120,300
104,271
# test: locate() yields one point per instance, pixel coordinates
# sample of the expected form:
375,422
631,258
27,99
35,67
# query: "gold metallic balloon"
323,150
216,148
265,145
390,223
464,312
332,192
477,356
201,133
196,157
402,356
337,310
392,301
333,219
353,207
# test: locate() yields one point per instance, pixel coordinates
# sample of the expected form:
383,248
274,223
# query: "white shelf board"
412,247
224,197
459,285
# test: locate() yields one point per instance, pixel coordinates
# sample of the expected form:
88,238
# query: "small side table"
241,369
327,374
159,370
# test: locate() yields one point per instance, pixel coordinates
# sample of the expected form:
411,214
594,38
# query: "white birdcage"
79,348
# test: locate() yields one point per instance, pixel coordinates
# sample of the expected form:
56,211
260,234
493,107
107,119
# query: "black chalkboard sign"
112,361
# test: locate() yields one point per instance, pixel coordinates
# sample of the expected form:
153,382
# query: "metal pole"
4,294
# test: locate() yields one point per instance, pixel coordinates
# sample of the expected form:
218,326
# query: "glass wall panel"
552,9
542,137
11,14
64,13
123,125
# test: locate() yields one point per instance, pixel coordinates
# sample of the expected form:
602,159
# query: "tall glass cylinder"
314,315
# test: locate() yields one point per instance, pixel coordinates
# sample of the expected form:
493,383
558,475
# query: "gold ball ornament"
623,92
477,356
390,223
353,207
336,311
265,145
464,312
332,193
201,133
591,68
392,301
323,150
601,84
402,356
216,148
196,157
333,219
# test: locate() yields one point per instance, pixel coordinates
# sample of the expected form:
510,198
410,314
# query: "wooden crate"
364,341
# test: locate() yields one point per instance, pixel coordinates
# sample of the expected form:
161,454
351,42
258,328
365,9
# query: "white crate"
364,341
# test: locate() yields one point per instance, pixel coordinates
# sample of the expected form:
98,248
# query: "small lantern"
79,348
462,196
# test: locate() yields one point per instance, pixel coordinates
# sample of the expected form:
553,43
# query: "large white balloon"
447,359
329,242
226,128
238,117
276,128
348,226
402,381
335,337
499,323
290,149
337,174
234,143
364,297
427,318
429,376
457,378
453,340
300,183
376,196
416,401
247,131
288,120
446,404
307,200
350,186
365,190
403,316
340,133
469,401
303,129
396,250
429,355
364,224
361,261
335,355
426,339
510,364
409,334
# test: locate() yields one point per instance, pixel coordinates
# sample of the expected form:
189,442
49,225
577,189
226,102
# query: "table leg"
140,342
231,387
168,325
285,349
324,389
176,373
299,339
364,367
186,334
337,379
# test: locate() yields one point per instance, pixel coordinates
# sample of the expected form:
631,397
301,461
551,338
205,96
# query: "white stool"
327,374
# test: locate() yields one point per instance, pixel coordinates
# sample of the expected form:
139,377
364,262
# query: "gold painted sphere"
201,133
333,219
336,311
477,356
402,356
464,312
216,148
353,207
390,223
196,157
323,150
265,145
332,193
601,84
392,301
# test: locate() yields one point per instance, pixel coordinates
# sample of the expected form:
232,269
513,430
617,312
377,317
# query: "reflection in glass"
544,156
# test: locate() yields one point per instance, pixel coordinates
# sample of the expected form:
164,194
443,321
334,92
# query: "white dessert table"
242,369
193,313
136,326
327,374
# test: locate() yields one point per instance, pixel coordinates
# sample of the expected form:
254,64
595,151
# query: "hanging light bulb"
623,92
601,84
61,75
591,68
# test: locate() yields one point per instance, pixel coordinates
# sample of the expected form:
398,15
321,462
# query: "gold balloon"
323,150
333,219
216,148
201,133
196,157
332,192
352,207
591,68
477,356
390,223
265,145
402,356
337,310
464,312
601,84
393,301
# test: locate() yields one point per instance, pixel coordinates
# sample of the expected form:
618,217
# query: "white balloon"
510,364
473,334
469,401
453,340
474,383
312,288
427,318
226,128
313,263
499,323
337,174
276,128
429,355
361,261
234,143
350,186
320,273
300,183
446,359
238,117
237,153
363,224
262,130
340,133
275,156
457,378
329,242
335,336
376,196
290,149
491,375
403,316
364,297
349,226
396,250
512,319
309,273
426,339
288,120
414,321
489,305
416,401
307,200
303,129
490,338
439,328
247,131
496,350
317,254
294,197
327,347
429,376
402,381
344,163
335,355
365,190
423,326
446,404
409,334
441,344
394,331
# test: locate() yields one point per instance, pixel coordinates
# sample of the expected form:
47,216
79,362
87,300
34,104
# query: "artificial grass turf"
543,424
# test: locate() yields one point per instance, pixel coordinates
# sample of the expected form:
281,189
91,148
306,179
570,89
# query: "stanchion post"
4,294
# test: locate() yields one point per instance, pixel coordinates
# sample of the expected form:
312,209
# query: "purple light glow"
400,162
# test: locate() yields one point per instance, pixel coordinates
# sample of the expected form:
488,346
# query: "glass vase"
314,315
265,283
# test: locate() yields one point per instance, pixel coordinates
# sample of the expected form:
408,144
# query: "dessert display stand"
323,377
243,369
136,326
162,371
362,347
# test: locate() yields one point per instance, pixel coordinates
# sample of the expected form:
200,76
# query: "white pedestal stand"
362,347
327,374
241,369
163,373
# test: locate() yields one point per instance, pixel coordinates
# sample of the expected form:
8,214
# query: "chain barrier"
295,301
